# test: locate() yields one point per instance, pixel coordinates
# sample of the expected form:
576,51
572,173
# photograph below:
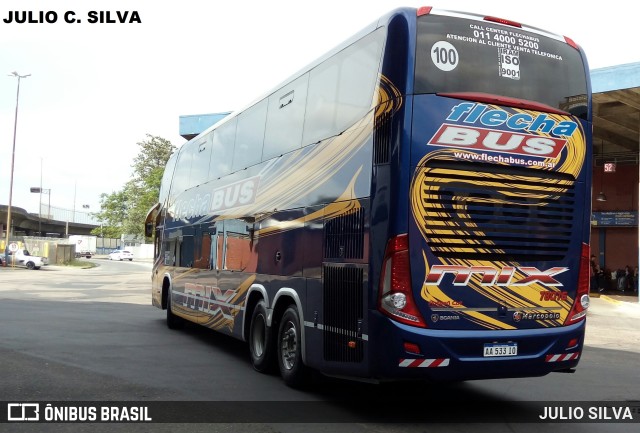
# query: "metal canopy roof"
616,113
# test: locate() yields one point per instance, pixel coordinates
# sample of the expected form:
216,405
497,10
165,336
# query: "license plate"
500,349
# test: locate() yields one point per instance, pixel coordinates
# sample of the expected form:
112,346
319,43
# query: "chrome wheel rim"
258,336
289,345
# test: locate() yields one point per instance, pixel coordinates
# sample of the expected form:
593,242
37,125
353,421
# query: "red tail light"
424,10
503,21
571,43
581,302
396,297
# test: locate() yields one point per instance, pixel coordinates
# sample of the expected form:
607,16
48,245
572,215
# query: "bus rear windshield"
457,55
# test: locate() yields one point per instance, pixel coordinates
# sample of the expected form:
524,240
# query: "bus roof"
366,30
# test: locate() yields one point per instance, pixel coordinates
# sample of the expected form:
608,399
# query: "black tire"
130,260
261,344
173,321
31,265
289,353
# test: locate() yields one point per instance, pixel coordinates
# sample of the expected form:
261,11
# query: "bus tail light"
503,21
573,343
571,43
581,302
424,10
412,348
396,297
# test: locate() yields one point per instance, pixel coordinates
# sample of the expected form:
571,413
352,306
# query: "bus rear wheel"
260,340
173,321
292,369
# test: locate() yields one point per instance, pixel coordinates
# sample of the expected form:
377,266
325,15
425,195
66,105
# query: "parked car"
22,257
121,255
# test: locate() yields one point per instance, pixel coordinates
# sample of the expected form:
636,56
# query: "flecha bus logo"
526,133
491,140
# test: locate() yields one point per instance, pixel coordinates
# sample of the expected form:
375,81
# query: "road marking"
609,299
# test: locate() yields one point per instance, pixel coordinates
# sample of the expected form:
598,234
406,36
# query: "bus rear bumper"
410,353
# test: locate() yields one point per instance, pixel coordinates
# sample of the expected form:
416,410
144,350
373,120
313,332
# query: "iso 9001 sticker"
509,63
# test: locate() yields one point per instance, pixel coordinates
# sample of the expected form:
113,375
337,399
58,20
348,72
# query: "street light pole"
40,203
13,155
40,190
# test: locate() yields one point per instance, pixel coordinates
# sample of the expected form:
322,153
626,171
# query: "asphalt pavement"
613,322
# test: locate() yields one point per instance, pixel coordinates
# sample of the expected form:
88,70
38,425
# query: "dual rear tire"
267,350
260,340
173,321
285,349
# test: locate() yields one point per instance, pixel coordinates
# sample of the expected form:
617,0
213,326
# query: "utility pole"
13,156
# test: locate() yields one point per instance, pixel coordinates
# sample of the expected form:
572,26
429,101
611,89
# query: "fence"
54,249
106,245
59,250
73,216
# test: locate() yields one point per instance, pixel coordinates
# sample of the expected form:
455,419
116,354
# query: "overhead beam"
613,108
610,135
628,97
629,130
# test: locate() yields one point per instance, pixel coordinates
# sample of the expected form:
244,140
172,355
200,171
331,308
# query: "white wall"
144,251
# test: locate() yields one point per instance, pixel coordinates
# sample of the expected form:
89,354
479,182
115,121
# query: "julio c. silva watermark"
72,17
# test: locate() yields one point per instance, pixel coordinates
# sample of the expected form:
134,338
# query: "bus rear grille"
344,236
495,212
382,139
343,313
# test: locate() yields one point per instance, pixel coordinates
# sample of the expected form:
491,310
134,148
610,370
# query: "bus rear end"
490,277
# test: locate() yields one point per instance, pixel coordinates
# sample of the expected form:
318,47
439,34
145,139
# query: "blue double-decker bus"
413,205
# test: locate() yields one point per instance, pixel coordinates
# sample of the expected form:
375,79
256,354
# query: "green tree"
124,211
112,214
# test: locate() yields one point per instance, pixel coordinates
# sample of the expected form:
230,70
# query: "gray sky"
95,90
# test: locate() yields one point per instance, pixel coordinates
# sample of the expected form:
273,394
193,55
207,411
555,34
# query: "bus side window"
183,168
168,247
202,249
158,244
250,136
223,140
321,103
186,251
341,89
285,118
358,79
237,246
200,156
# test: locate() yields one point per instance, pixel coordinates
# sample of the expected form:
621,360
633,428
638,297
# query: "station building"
615,189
